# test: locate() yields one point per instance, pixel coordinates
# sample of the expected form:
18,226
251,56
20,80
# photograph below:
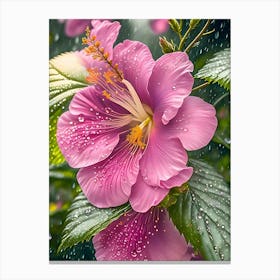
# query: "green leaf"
202,214
66,76
217,69
62,172
222,134
84,220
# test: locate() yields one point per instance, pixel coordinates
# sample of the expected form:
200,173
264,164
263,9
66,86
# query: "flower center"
136,136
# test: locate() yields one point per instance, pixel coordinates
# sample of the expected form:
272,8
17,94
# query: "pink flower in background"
138,237
159,26
75,27
128,131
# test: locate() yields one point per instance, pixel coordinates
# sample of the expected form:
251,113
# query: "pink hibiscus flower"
128,131
159,26
75,27
139,237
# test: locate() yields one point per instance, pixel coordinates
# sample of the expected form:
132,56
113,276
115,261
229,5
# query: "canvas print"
139,140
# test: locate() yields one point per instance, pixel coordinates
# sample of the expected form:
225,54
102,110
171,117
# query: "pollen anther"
87,31
93,76
85,41
97,44
106,94
109,76
97,52
135,137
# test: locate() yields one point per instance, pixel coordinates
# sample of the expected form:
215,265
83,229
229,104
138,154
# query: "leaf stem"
200,86
220,98
199,35
209,32
183,40
218,139
181,25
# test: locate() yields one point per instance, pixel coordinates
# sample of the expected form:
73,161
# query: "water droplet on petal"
81,118
133,254
139,250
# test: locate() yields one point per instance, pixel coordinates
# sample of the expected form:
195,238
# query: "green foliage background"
63,185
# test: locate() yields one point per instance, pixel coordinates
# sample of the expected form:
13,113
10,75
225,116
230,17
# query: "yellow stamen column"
135,137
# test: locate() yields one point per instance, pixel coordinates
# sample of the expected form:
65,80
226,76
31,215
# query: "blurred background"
65,36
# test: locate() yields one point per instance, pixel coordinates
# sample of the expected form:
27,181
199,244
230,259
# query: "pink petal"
106,33
164,157
75,27
90,102
89,132
79,142
108,183
170,83
159,26
138,237
195,124
179,179
144,196
136,62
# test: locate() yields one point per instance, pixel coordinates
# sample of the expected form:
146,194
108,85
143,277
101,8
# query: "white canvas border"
24,138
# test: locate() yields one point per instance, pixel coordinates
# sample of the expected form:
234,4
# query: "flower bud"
194,23
166,46
174,24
